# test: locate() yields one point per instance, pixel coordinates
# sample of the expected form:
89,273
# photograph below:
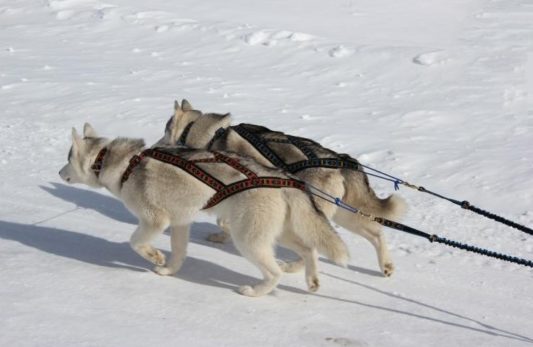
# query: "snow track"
435,93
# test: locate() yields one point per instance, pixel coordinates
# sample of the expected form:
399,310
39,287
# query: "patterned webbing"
223,191
330,163
299,143
261,145
250,183
185,133
97,166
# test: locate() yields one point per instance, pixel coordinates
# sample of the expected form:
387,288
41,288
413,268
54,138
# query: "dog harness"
257,136
223,191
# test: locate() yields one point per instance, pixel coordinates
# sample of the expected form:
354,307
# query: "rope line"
464,204
405,228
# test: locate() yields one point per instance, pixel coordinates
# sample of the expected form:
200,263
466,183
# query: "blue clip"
338,201
397,184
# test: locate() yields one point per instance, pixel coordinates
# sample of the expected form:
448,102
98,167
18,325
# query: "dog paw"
313,284
282,265
157,257
388,269
247,291
218,237
290,267
163,271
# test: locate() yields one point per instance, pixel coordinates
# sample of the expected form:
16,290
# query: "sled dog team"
252,178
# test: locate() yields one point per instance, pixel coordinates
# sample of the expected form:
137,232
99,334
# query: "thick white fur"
162,196
351,185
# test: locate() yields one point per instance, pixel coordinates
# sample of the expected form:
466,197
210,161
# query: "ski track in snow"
443,106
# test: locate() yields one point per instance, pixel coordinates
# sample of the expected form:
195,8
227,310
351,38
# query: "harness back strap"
329,163
223,191
299,143
188,166
250,183
260,146
337,161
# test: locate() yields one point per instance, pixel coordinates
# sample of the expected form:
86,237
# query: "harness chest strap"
223,191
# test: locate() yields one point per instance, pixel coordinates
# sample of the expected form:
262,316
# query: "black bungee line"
405,228
464,204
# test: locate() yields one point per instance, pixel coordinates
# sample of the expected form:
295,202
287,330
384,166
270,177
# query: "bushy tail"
360,195
313,228
392,207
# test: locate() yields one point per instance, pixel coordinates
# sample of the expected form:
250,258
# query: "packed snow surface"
434,92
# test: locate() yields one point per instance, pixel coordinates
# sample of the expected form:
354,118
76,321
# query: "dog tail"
359,194
392,207
315,231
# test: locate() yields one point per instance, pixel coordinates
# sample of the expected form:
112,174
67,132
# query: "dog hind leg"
266,262
222,236
258,247
371,231
308,259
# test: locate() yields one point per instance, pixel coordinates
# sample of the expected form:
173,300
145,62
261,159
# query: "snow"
434,92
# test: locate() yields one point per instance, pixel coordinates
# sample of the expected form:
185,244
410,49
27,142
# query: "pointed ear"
88,131
186,106
77,141
176,105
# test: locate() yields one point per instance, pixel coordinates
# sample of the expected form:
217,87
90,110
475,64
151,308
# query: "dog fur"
162,195
351,185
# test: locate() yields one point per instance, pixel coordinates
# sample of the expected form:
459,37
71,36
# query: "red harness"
223,190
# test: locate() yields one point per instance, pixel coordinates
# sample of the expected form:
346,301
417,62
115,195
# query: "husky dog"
213,131
162,195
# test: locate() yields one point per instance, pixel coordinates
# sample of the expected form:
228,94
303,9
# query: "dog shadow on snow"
100,252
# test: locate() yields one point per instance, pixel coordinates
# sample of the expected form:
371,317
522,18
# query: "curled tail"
392,207
313,228
359,194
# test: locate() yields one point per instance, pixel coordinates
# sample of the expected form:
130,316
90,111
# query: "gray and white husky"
162,195
194,129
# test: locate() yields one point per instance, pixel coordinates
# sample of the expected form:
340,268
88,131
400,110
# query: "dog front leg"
179,238
141,238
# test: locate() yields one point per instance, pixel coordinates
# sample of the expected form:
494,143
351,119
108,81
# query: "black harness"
184,134
257,137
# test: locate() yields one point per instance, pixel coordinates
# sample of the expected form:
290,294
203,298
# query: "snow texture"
434,92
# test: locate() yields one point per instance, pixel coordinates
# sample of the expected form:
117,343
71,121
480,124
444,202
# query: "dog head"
200,127
183,116
81,157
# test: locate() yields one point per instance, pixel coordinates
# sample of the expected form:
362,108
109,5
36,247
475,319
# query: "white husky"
163,195
196,130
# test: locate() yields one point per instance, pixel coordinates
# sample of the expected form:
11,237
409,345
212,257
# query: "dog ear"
77,141
186,106
178,112
88,131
